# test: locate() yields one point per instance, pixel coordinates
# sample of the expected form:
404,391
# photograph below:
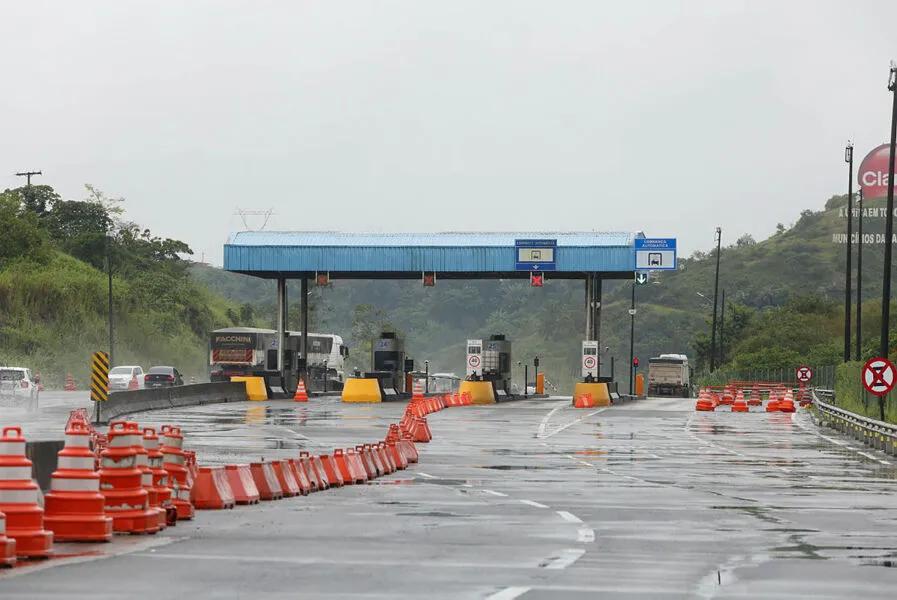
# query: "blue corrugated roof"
438,240
270,252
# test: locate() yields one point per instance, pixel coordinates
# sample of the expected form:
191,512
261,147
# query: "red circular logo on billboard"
873,174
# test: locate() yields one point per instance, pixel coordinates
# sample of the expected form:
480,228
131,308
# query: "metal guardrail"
877,434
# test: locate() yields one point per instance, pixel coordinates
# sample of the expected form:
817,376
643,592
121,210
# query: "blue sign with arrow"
535,255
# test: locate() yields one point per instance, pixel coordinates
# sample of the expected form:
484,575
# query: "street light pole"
632,343
859,274
889,227
722,332
719,240
427,377
848,158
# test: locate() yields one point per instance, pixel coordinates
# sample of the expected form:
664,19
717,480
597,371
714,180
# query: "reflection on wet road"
530,500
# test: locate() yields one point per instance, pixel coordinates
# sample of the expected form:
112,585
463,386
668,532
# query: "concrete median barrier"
481,392
124,403
357,389
255,388
599,392
44,456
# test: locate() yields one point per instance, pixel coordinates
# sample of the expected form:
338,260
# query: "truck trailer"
669,375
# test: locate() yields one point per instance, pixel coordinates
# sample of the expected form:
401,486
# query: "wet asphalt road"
532,500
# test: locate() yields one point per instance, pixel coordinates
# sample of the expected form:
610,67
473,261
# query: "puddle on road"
515,468
433,513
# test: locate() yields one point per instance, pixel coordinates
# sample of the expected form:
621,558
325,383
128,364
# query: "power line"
28,175
254,213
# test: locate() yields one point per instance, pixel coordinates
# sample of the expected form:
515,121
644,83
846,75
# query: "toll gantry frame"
592,257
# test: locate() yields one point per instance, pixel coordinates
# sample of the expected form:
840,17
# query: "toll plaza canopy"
451,255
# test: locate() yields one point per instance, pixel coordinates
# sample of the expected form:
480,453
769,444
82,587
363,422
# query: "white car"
120,378
17,385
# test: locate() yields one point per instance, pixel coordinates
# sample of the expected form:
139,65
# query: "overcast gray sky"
666,116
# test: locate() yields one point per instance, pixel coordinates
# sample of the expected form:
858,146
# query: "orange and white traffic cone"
19,499
161,478
174,460
74,510
417,392
70,383
133,384
301,393
121,481
146,480
7,545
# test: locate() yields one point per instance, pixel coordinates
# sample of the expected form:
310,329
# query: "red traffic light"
322,279
635,362
535,279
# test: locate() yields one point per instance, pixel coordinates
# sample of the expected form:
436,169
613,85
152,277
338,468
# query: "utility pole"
884,345
27,175
859,274
632,343
719,240
109,271
848,158
722,332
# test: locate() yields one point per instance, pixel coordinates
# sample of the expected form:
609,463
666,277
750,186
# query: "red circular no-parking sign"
589,362
803,374
879,376
473,361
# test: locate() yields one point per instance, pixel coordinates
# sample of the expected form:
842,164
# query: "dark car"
162,377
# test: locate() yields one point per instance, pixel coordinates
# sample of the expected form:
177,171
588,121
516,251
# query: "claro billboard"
873,174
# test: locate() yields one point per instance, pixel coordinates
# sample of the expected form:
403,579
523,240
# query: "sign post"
879,376
99,380
803,374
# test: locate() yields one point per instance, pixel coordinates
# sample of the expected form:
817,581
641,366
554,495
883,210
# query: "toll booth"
490,360
388,363
590,366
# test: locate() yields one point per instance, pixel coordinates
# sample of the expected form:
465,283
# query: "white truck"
669,375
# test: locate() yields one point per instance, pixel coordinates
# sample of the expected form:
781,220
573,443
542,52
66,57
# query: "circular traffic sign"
804,374
589,362
879,376
473,361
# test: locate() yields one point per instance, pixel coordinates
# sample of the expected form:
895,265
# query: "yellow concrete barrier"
639,385
481,392
356,389
255,387
600,395
540,383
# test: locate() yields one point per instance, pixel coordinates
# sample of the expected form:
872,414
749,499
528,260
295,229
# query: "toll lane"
530,499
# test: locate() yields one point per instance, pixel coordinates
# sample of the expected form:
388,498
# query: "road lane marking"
142,546
569,517
509,593
867,455
427,475
532,503
494,493
562,559
585,535
542,434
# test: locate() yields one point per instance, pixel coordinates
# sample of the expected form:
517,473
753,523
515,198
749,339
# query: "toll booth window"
590,351
474,350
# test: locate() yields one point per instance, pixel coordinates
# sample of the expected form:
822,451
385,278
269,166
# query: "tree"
69,219
20,232
35,198
745,241
780,228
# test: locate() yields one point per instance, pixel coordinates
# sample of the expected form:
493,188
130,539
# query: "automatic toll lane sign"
804,374
879,376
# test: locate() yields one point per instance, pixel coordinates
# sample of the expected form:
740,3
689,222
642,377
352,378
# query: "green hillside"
54,290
